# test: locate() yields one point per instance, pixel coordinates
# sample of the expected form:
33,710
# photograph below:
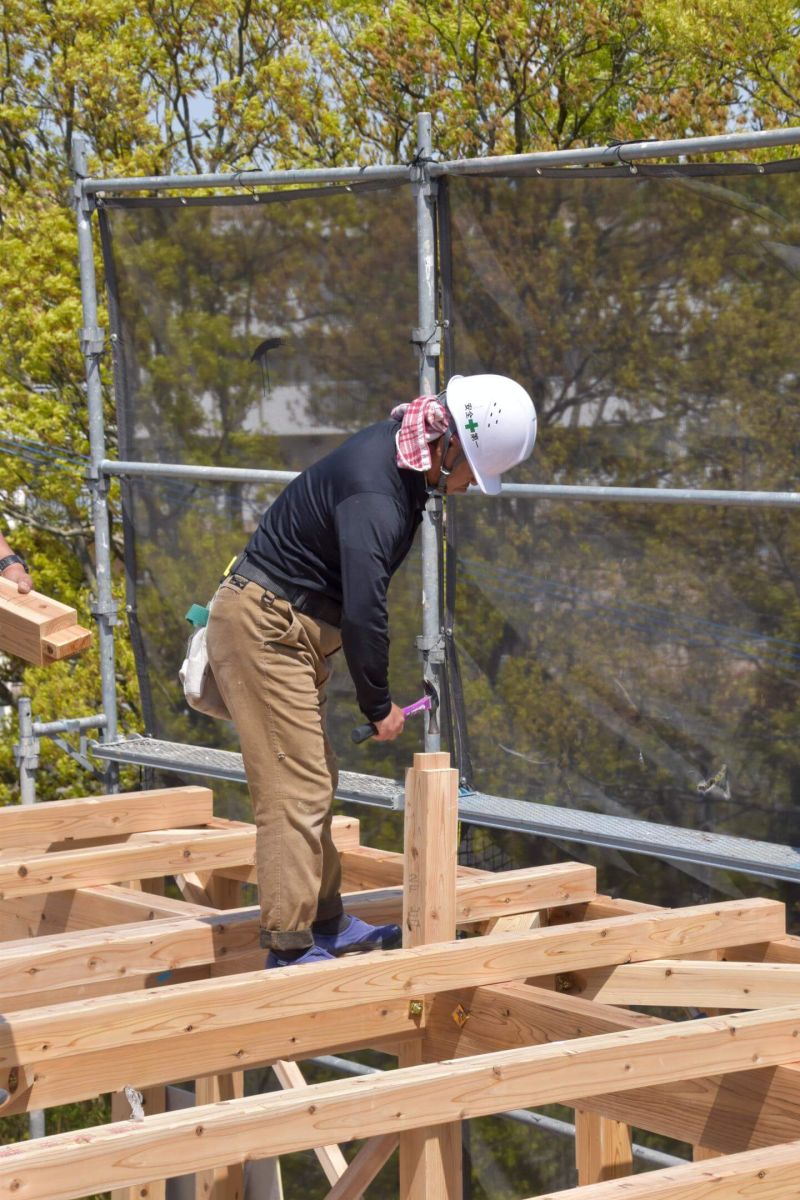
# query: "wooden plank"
520,892
246,1044
430,1156
91,989
665,982
34,967
365,869
732,1112
42,966
603,1148
330,1158
24,825
287,992
781,950
68,1166
372,1156
143,856
770,1174
85,908
37,628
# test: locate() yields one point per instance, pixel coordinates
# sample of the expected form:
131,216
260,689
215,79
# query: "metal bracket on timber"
175,984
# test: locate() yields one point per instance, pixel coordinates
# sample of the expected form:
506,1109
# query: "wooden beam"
430,1156
142,856
172,1012
68,1166
665,982
85,908
37,969
85,817
732,1112
603,1148
781,950
42,966
372,1156
770,1174
366,868
246,1044
38,629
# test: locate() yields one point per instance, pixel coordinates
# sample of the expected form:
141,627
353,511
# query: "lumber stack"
108,983
38,629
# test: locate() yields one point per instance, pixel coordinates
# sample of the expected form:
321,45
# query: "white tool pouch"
199,685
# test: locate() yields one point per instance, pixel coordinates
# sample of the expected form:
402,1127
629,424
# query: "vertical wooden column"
153,1101
221,1183
603,1148
430,1158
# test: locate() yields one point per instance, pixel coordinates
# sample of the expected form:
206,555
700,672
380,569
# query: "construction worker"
312,579
14,568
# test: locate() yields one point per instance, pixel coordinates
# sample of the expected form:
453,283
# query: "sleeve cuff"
377,714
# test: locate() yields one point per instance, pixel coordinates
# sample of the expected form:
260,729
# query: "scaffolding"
422,176
727,1119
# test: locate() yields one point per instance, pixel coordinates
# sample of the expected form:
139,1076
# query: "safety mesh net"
635,659
249,333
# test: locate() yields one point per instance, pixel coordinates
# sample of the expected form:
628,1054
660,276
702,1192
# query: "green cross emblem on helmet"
471,426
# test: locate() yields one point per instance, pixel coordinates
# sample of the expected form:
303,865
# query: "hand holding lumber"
36,628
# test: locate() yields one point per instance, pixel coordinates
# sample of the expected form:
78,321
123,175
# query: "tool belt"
302,600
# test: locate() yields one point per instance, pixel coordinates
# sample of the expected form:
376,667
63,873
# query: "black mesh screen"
321,288
636,659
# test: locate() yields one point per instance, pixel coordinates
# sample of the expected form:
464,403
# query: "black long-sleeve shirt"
342,528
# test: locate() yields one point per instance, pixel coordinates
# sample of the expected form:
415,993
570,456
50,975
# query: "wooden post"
224,1183
603,1148
430,1158
153,1101
220,1183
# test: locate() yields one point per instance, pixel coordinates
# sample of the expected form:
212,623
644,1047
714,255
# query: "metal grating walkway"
765,859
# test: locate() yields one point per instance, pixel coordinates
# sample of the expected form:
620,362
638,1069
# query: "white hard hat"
496,424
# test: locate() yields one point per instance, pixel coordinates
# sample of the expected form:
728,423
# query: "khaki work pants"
272,667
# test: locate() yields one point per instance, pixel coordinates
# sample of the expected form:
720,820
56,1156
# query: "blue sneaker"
313,954
358,937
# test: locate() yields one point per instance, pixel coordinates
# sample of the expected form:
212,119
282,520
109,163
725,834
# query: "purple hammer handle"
363,732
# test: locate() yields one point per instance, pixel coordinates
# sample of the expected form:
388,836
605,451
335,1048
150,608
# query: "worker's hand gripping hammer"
426,703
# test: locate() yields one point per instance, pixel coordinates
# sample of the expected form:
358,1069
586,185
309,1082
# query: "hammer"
427,703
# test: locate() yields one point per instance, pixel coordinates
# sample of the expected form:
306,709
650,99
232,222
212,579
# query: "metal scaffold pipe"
615,154
729,497
92,340
623,153
247,179
426,337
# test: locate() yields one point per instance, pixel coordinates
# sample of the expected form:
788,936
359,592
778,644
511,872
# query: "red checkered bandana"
423,420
